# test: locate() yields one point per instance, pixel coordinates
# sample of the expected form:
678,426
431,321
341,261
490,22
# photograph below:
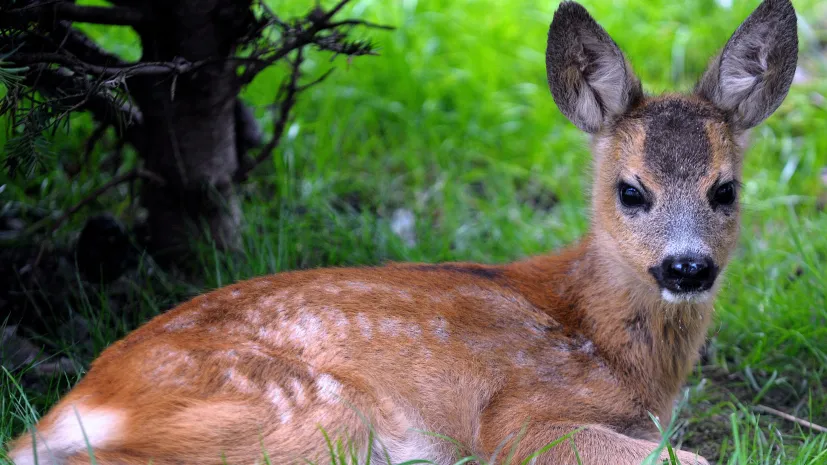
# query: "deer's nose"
686,273
687,267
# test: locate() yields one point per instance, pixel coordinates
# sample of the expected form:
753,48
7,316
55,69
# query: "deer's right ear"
589,77
752,75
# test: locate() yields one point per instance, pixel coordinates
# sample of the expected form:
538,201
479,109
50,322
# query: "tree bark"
189,122
188,125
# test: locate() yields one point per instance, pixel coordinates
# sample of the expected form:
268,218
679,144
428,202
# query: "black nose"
686,267
686,273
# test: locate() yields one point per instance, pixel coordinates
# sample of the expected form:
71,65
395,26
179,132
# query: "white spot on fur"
390,326
70,435
181,322
365,326
330,288
277,397
371,287
413,331
440,328
235,293
239,381
253,316
521,359
585,391
359,286
308,328
271,303
168,364
329,389
339,320
271,335
505,302
298,391
587,347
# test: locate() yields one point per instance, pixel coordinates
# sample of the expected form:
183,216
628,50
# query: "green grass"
454,121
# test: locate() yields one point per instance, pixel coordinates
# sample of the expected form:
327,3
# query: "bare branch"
64,10
315,29
80,93
273,17
335,10
129,176
787,416
359,22
286,99
86,58
113,72
67,66
137,173
80,45
316,81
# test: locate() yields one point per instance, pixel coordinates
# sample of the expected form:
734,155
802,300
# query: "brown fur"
544,342
581,338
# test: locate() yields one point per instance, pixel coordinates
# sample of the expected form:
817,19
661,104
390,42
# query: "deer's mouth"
685,297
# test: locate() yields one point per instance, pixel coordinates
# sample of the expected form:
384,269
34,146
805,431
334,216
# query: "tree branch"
335,10
67,66
286,98
80,93
80,45
62,10
359,22
112,72
787,416
136,173
306,31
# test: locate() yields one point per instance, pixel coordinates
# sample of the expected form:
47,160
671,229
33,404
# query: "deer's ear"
589,77
753,73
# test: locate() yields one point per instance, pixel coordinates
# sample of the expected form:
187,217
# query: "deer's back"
440,348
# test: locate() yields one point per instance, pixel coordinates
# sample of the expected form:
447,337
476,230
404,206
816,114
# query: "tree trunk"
189,123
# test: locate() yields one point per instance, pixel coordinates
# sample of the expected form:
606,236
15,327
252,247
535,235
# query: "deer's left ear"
589,77
752,75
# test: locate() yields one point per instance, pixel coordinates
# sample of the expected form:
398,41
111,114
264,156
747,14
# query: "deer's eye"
630,196
724,194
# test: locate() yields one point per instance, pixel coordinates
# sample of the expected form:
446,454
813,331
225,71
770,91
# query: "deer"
592,341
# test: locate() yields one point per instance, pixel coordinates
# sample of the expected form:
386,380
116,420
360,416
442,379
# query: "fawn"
503,359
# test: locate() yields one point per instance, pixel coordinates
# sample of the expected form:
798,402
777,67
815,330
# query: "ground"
448,146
